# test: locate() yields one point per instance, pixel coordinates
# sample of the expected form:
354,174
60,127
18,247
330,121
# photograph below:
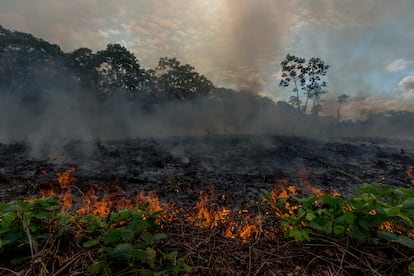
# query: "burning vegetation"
122,230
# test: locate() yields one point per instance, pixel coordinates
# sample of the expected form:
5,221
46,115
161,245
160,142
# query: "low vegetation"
289,231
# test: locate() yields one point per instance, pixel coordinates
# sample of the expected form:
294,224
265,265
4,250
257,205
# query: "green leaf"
15,207
171,256
90,243
140,255
158,237
339,230
364,223
95,268
147,238
298,234
8,219
127,235
349,218
315,225
310,216
123,251
408,204
387,236
42,215
357,235
411,268
406,241
114,235
392,212
33,227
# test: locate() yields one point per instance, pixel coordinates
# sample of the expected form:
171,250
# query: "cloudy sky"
239,44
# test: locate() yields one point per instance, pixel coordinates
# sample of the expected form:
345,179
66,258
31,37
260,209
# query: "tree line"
28,63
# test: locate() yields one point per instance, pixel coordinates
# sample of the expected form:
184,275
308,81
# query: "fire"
304,180
66,179
236,224
206,213
91,203
282,193
410,173
151,199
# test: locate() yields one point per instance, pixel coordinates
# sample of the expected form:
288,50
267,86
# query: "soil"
177,168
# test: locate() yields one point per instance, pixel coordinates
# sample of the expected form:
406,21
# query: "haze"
240,44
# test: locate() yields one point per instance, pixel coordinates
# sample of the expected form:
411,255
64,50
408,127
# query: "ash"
238,166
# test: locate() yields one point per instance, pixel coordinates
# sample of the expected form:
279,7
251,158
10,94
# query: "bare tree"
341,99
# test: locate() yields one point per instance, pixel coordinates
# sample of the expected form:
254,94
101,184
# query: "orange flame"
151,199
66,179
304,175
410,174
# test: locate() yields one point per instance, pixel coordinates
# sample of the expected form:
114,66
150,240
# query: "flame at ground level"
205,214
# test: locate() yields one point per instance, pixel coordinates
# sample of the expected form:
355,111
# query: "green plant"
127,242
376,213
23,225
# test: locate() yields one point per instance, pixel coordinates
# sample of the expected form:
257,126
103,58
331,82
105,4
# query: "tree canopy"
307,78
177,81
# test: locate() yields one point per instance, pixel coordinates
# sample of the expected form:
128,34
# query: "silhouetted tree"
293,70
176,81
340,100
307,78
118,70
314,85
27,63
82,65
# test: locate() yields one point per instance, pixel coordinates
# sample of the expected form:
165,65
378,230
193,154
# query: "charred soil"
177,169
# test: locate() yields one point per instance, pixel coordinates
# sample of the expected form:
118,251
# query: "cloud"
229,41
398,65
407,86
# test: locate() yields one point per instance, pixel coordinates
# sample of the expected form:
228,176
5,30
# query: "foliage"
177,81
127,241
307,78
376,213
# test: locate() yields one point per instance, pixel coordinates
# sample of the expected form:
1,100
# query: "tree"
176,81
314,85
341,99
307,78
294,71
118,70
82,65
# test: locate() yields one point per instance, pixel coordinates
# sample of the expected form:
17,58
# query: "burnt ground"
177,168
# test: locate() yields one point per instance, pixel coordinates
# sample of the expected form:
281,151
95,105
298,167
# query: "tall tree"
314,85
177,81
340,100
82,65
118,70
306,78
293,70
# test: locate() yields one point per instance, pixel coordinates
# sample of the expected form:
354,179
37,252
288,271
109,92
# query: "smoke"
252,38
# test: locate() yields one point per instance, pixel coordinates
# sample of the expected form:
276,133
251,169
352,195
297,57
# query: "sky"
239,44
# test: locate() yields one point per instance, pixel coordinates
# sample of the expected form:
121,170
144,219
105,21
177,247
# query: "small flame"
66,179
304,179
151,199
410,173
